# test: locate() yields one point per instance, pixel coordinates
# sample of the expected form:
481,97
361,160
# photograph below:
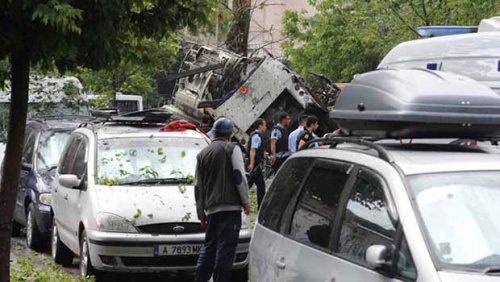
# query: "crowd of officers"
283,144
221,188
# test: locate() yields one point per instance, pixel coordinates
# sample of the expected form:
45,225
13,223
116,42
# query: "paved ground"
19,250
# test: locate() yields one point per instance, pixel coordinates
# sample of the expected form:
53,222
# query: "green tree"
136,71
69,34
349,37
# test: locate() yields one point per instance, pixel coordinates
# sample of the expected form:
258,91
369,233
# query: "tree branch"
393,9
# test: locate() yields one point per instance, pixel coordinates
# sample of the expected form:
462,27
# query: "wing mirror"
377,257
69,180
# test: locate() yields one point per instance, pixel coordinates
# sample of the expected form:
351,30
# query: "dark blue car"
44,142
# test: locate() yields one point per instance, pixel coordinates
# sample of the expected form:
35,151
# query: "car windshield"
51,149
460,212
148,160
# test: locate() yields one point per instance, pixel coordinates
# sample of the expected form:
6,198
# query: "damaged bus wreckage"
219,83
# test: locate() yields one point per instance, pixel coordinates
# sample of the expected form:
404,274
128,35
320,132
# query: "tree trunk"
20,66
237,38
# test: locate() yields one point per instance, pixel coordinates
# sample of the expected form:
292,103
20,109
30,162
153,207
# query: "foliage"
349,37
134,74
25,270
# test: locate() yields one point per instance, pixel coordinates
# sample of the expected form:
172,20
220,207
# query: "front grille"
160,261
172,228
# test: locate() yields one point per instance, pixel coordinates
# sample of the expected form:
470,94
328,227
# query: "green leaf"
137,214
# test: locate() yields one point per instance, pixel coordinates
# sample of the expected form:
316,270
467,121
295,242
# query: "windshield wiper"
156,181
492,270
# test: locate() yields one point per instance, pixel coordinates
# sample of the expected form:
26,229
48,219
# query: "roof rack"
333,141
145,118
142,117
105,113
58,117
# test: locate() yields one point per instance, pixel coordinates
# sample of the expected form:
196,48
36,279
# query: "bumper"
122,252
43,221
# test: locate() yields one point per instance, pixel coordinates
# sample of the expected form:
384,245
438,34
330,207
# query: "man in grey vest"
221,191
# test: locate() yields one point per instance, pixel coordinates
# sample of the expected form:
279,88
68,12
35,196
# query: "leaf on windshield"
183,154
175,171
159,151
189,179
163,159
109,181
137,214
186,217
149,172
132,152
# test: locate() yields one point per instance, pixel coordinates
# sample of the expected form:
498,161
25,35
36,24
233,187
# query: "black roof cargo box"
417,103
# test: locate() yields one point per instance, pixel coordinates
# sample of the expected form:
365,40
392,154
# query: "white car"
123,201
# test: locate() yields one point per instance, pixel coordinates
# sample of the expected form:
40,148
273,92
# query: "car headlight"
108,222
45,199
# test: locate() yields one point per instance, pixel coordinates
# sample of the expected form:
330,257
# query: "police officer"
312,125
279,141
255,153
221,191
292,139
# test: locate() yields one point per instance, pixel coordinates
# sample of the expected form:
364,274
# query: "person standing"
279,141
255,153
221,191
292,140
312,125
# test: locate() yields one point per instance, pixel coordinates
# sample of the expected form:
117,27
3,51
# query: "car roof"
424,158
57,124
108,131
429,158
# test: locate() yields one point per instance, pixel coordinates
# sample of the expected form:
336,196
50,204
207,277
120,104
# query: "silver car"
123,201
381,212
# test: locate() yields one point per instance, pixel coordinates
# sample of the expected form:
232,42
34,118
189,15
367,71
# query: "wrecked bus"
219,83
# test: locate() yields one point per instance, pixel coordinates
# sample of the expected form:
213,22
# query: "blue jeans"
217,254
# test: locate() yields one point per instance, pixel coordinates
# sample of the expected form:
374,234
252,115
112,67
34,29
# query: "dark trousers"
217,254
278,163
257,177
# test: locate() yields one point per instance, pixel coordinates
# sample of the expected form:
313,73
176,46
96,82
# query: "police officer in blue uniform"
279,141
255,153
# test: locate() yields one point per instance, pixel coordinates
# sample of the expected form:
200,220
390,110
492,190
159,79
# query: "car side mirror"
26,166
69,180
377,257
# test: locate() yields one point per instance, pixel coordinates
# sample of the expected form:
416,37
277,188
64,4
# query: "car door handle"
66,197
280,264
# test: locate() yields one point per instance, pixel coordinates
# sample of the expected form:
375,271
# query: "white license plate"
176,250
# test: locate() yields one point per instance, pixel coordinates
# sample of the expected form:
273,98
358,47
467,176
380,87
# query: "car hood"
146,205
448,276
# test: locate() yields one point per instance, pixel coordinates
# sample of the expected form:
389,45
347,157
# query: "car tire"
86,268
16,229
240,275
34,239
61,254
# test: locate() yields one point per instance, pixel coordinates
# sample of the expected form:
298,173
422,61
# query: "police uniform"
257,176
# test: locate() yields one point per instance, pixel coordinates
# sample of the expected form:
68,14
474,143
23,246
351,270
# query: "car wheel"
240,275
33,237
60,253
16,229
86,268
